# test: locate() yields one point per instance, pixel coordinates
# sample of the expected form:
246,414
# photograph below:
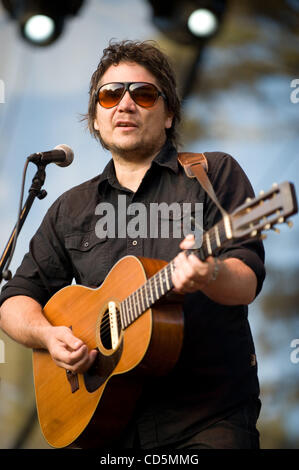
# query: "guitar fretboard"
160,283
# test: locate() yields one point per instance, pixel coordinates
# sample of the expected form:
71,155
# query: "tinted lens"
144,94
110,94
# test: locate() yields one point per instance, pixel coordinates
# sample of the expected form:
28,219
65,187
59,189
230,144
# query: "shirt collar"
167,157
108,173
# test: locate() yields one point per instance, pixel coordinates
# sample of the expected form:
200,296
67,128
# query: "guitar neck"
160,283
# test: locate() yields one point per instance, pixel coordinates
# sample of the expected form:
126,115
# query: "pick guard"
102,368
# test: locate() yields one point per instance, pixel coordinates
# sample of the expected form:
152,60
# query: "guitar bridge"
108,327
73,380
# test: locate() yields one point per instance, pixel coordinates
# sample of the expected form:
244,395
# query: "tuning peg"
274,185
263,236
268,226
276,229
253,233
281,220
262,192
290,224
248,199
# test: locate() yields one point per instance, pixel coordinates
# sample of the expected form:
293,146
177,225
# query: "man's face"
128,127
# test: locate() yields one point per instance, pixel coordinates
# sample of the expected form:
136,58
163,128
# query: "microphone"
62,155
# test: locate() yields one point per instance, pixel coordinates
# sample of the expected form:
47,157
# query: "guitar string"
151,282
128,314
145,293
144,289
154,283
151,288
125,316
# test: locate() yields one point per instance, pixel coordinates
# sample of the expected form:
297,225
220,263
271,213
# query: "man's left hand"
190,273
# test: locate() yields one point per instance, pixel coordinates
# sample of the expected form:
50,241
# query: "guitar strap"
196,166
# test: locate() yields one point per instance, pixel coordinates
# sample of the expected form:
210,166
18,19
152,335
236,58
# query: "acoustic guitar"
137,327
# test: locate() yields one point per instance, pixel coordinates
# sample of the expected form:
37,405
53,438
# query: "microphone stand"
34,191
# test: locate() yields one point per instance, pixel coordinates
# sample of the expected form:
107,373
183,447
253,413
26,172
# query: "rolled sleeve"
22,286
251,259
232,187
46,267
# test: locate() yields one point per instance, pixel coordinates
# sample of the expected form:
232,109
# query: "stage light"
202,23
188,21
39,29
41,22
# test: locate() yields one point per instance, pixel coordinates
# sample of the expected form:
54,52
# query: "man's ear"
168,121
95,125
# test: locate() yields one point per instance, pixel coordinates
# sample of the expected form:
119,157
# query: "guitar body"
92,409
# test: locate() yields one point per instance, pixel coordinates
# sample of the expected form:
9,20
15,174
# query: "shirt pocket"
171,223
186,218
89,256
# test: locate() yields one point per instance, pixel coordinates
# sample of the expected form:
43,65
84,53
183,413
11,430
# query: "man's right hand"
22,318
67,350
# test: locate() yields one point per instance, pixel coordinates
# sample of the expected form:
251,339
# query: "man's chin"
124,149
127,148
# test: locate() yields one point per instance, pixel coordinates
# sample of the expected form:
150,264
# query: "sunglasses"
142,93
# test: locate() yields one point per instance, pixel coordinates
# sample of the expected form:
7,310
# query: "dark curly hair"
147,54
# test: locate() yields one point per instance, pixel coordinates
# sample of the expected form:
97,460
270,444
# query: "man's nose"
126,102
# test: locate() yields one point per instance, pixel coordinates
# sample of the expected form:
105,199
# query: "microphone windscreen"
69,154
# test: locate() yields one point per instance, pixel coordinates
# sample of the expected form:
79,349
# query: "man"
210,398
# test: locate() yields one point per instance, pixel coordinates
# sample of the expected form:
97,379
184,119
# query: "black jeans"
236,431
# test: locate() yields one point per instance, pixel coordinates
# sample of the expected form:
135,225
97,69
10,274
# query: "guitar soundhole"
110,328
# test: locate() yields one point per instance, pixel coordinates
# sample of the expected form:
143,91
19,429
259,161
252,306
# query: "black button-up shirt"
78,240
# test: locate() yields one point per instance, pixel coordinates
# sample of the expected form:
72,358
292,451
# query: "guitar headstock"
265,211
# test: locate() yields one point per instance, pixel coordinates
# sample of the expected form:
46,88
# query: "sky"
46,92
